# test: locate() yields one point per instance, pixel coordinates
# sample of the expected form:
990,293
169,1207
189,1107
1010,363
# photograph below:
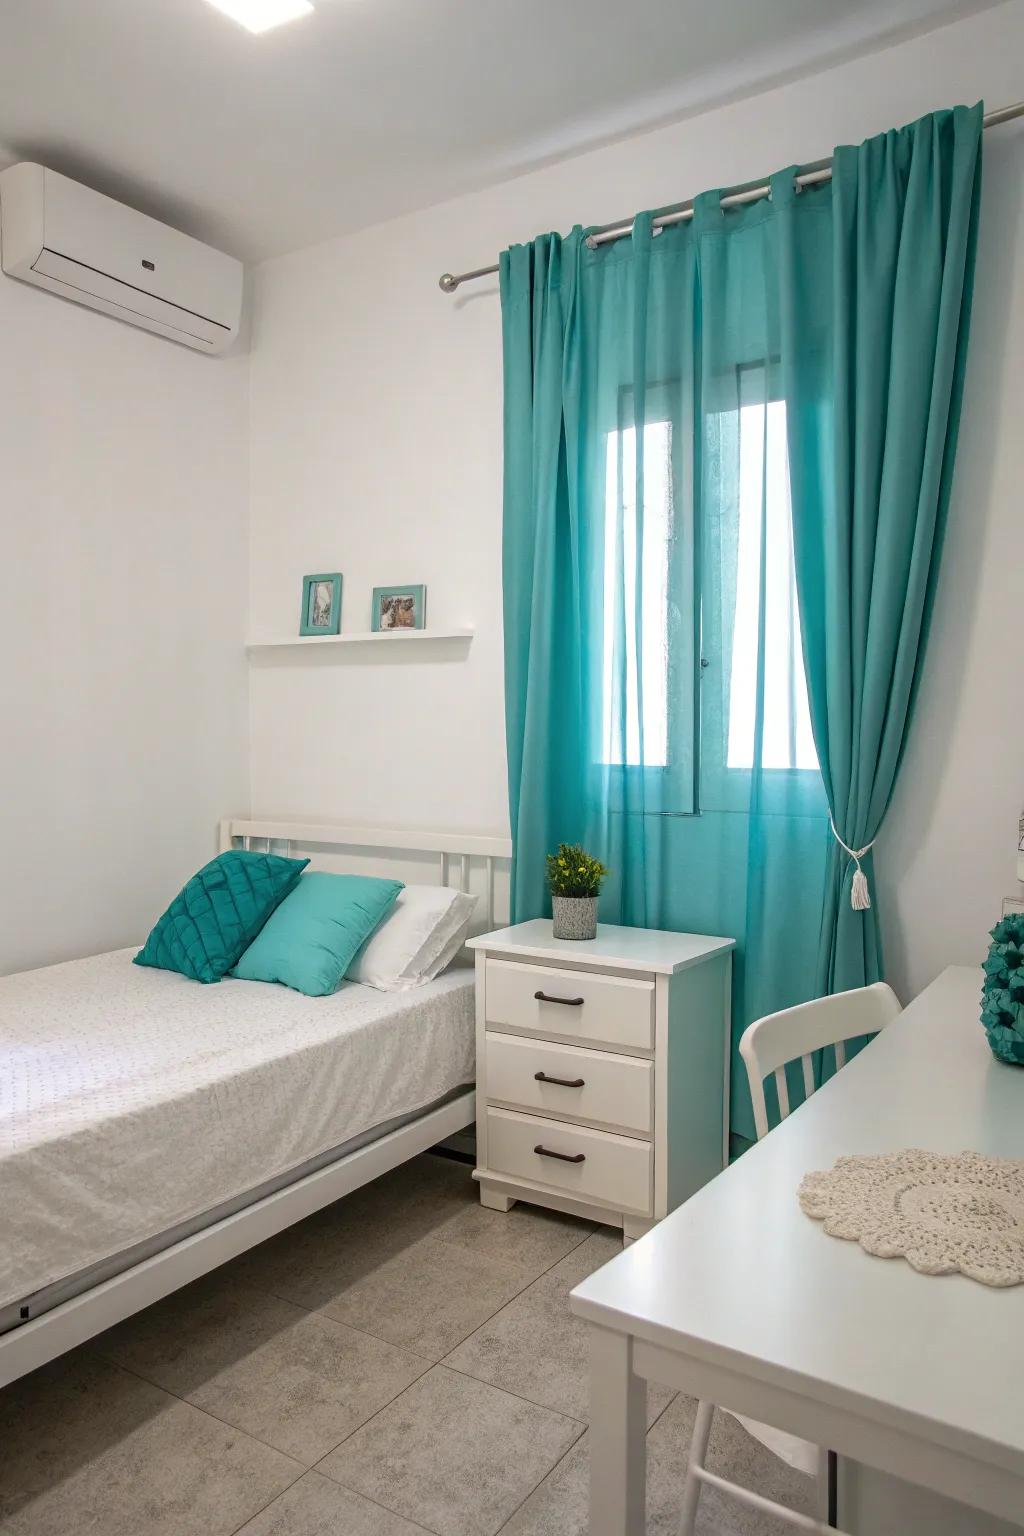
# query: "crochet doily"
942,1214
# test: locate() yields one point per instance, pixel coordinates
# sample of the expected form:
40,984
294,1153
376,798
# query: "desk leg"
618,1447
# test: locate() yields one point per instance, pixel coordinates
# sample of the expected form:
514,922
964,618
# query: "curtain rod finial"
447,283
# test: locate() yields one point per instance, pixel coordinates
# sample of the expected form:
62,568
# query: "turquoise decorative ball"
1002,994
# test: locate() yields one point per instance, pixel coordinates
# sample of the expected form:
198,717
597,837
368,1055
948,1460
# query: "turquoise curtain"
871,451
671,421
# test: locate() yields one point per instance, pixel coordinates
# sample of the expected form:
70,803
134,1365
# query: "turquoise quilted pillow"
312,938
215,918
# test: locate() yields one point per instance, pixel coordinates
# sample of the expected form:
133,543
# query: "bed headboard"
476,865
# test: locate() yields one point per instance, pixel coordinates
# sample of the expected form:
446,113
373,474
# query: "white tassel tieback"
860,896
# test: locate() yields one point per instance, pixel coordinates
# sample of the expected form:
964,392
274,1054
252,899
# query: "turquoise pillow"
311,940
215,918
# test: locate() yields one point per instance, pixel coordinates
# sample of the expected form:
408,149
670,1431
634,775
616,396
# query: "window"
786,728
621,734
650,649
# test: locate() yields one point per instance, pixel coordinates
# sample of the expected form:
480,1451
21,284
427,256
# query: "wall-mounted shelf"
393,637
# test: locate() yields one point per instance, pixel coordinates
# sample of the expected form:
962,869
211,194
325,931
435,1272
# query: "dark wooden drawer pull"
567,1002
560,1082
563,1157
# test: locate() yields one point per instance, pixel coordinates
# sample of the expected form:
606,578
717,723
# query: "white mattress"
132,1100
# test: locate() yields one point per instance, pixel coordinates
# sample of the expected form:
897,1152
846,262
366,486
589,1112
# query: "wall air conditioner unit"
76,242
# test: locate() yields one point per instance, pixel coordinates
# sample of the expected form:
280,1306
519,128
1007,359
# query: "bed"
152,1128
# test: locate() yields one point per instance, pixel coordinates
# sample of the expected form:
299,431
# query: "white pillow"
421,934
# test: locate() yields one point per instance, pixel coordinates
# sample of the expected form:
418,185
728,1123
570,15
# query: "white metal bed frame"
447,846
33,1343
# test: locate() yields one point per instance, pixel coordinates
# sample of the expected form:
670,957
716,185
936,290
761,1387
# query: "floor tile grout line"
565,1457
529,1401
364,1333
318,1465
482,1324
428,1366
529,1277
417,1525
322,1312
379,1338
238,1429
256,1513
428,1363
433,1235
337,1483
550,1473
532,1402
437,1366
474,1205
592,1233
309,1312
477,1258
489,1320
188,1403
257,1440
445,1359
326,1317
466,1248
583,1427
492,1315
661,1411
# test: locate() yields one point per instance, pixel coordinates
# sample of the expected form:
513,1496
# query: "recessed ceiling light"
261,15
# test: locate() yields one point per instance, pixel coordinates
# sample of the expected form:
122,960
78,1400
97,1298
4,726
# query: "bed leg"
494,1199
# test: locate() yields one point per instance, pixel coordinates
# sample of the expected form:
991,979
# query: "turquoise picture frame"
317,604
398,608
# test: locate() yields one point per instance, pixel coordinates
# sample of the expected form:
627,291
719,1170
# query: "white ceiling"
374,107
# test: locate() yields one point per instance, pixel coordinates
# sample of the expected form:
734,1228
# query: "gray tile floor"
404,1362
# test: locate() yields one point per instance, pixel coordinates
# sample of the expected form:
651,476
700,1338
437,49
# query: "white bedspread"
133,1099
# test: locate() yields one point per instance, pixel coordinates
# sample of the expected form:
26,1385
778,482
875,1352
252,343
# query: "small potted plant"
575,880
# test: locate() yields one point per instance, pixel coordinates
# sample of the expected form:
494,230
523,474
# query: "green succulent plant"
573,872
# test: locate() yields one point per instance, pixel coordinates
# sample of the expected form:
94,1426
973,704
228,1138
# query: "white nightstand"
602,1070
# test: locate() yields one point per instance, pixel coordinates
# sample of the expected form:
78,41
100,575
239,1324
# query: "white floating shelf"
369,637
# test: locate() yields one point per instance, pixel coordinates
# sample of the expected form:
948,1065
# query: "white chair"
767,1046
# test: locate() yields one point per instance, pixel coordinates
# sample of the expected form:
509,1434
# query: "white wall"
123,526
376,434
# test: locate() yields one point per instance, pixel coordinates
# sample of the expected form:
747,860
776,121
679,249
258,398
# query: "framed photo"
398,608
321,604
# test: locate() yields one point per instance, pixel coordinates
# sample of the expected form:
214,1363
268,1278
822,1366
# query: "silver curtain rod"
808,176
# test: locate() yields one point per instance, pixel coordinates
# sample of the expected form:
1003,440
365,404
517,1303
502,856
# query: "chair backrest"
770,1043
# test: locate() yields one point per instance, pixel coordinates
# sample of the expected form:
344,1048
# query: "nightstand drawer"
566,1080
587,1164
617,1011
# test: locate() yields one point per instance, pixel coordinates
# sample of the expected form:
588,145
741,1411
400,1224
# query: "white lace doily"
942,1214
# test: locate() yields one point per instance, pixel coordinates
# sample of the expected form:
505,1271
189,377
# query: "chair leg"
694,1465
823,1487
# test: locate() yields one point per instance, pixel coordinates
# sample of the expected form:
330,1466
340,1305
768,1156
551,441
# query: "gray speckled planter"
574,917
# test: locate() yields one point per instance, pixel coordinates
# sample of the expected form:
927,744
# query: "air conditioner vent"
72,241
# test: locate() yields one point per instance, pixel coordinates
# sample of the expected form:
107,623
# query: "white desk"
740,1298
